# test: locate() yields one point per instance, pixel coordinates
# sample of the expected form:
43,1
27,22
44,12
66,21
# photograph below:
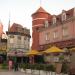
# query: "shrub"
49,67
4,66
40,67
64,68
61,58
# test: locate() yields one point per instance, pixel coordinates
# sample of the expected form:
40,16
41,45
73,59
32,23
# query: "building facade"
18,40
3,44
3,50
38,20
58,30
1,29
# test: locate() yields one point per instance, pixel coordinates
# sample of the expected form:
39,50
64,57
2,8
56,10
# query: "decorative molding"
39,19
60,44
37,25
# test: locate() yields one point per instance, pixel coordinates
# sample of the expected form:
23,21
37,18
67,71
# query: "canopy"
32,52
72,49
15,53
53,49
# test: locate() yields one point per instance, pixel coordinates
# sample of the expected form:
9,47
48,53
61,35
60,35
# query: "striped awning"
15,53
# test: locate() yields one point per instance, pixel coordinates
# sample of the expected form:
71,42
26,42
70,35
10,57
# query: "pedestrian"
16,66
10,64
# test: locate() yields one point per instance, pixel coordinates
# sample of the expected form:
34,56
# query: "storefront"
3,56
16,56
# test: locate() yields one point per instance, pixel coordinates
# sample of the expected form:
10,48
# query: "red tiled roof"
70,12
41,10
14,27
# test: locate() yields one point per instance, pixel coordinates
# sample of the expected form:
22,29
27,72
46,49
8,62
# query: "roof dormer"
63,15
54,19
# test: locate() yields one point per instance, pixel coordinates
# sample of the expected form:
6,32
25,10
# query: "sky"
20,11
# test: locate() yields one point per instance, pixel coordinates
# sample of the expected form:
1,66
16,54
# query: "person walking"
16,66
10,64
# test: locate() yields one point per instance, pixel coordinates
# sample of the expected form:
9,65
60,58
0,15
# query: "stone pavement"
28,73
21,73
12,73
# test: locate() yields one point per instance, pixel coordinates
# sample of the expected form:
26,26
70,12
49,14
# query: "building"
3,44
38,20
3,50
60,31
56,30
1,29
18,40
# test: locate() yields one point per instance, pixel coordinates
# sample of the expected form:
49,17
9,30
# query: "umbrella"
53,49
72,49
32,52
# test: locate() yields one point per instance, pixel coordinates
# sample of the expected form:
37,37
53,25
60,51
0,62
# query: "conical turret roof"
40,10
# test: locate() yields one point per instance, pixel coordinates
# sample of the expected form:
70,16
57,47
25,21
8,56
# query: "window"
47,36
55,34
65,31
28,39
46,23
25,38
54,20
19,37
11,36
63,15
11,40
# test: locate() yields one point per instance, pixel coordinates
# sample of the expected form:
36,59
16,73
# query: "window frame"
47,36
55,34
65,32
54,20
63,16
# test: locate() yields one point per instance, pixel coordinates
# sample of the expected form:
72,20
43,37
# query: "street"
11,73
28,73
22,73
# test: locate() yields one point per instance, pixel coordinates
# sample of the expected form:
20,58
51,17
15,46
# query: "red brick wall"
35,34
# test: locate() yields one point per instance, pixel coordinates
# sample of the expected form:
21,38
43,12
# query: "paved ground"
23,73
12,73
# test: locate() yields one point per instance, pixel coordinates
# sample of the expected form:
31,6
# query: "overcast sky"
21,10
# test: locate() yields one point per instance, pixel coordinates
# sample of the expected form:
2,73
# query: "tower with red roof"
38,19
